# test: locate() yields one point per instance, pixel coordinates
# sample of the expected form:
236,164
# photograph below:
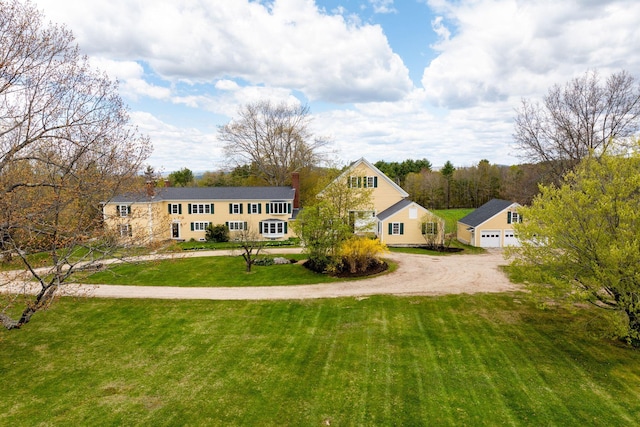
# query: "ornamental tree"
66,146
581,239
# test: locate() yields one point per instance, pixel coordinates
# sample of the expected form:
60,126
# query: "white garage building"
491,225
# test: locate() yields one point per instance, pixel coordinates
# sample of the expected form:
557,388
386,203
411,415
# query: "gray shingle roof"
394,209
486,211
210,193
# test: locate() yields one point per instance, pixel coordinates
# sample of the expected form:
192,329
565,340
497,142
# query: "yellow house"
183,213
397,221
491,225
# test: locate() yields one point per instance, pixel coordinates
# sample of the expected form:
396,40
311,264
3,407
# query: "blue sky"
386,80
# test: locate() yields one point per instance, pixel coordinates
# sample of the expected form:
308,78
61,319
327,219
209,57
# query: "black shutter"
180,208
509,217
189,209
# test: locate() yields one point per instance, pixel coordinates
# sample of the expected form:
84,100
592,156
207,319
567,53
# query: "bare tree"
66,145
276,139
250,242
583,117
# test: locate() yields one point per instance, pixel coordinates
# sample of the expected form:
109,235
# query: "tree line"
447,187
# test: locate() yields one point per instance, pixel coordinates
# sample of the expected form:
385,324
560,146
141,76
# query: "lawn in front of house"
214,271
453,360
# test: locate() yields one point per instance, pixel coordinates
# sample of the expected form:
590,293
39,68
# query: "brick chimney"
150,188
295,183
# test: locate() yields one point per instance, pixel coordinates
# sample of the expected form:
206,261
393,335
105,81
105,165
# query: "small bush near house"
217,233
360,255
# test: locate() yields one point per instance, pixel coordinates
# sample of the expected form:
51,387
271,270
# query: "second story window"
175,208
235,208
254,208
278,208
201,208
124,210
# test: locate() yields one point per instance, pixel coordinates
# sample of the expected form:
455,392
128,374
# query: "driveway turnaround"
415,275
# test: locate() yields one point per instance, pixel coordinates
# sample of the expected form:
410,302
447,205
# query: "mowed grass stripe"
376,361
477,353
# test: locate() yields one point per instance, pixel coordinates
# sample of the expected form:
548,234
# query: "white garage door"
510,238
490,239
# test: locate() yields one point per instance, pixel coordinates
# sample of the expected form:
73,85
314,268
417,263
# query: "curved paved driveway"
416,275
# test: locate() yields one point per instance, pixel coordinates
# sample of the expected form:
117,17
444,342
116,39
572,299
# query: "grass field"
205,272
451,217
456,360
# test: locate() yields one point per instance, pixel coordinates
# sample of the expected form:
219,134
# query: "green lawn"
207,271
456,360
451,217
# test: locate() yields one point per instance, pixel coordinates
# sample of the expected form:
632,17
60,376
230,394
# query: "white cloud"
176,147
282,43
130,75
493,50
383,6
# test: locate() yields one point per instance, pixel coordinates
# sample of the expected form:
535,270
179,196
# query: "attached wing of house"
397,220
491,225
183,213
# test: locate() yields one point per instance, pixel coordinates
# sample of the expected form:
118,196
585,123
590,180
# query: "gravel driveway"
416,275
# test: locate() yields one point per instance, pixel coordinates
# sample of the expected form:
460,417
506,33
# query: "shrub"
217,233
359,253
263,261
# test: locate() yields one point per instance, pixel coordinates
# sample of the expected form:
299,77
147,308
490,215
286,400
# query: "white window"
175,208
235,208
199,226
254,208
201,208
279,207
125,230
124,210
430,228
370,181
396,228
363,181
273,228
237,225
513,217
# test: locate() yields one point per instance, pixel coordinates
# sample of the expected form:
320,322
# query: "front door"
175,230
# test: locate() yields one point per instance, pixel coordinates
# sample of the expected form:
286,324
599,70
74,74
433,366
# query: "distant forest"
449,187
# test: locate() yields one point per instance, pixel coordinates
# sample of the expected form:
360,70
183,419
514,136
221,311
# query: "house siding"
384,195
151,221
